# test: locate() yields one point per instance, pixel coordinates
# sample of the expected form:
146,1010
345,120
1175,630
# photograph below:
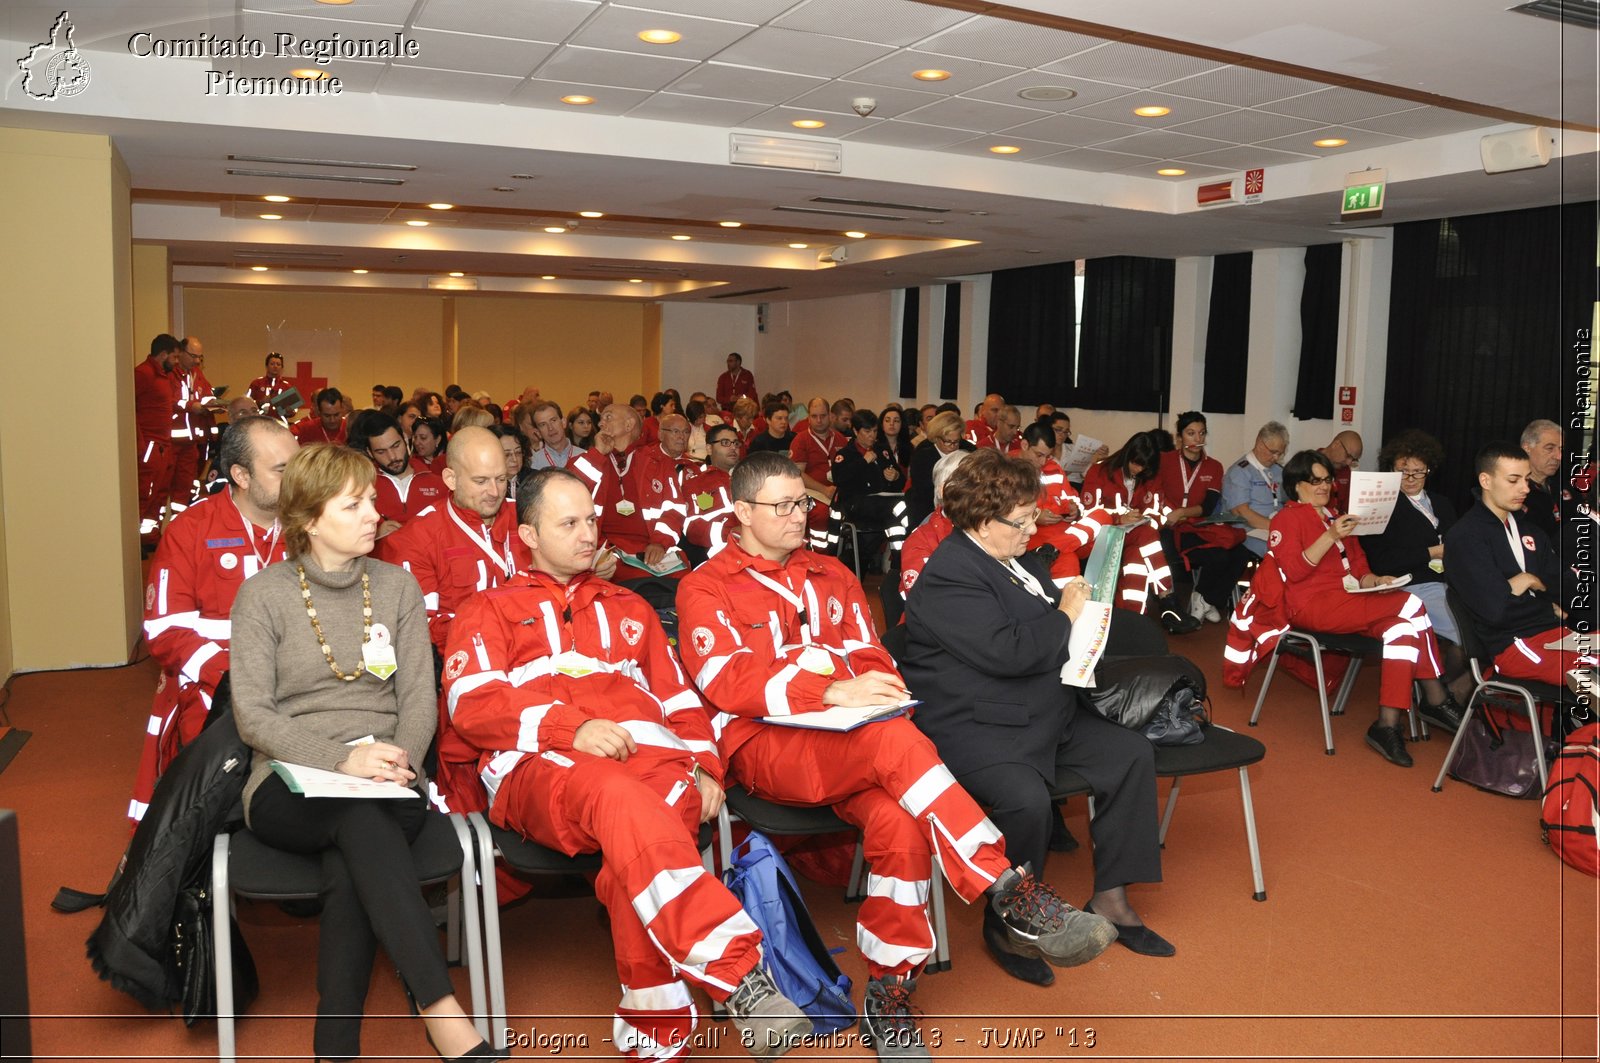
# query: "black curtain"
1484,312
1125,353
1031,314
909,318
1319,333
1228,334
950,362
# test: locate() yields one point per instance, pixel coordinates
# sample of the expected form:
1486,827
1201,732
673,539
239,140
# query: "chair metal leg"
491,931
1266,683
941,934
1322,696
1166,814
1347,685
1455,743
856,889
471,929
222,947
1536,729
1250,834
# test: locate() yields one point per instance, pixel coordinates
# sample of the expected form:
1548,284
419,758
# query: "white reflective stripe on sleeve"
197,660
684,699
528,731
431,601
926,790
713,667
777,690
885,954
666,885
215,630
148,449
668,997
605,626
900,891
552,630
467,684
1236,656
702,747
652,734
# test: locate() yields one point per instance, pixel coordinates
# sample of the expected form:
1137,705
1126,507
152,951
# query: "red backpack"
1571,810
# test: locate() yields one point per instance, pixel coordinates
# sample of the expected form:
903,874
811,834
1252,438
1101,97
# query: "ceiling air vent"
880,204
843,213
1584,13
290,176
747,291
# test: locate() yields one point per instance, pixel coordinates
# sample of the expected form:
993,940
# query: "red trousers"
670,917
185,476
887,779
1526,658
1410,651
155,482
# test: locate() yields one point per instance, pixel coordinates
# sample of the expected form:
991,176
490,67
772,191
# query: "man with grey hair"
208,550
1253,488
1542,441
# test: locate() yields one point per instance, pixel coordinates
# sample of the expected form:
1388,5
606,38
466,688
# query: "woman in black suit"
987,633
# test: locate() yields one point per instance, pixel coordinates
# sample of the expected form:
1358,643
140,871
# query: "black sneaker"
1390,744
1446,716
1040,924
1177,623
769,1023
888,1021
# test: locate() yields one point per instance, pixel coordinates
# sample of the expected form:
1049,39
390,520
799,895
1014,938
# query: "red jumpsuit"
766,639
263,389
732,385
311,430
529,663
979,434
191,431
709,497
638,500
1315,598
920,545
154,399
401,500
815,458
1073,535
206,553
1145,572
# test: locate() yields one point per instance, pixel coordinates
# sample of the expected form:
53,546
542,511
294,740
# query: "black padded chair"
244,866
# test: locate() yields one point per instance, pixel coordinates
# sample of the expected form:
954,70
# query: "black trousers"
1119,764
369,897
1217,569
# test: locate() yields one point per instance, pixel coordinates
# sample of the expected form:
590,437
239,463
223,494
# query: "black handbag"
1162,697
193,958
1498,759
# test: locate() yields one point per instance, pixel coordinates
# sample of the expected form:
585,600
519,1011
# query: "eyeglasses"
1032,519
1413,474
1318,481
787,506
729,441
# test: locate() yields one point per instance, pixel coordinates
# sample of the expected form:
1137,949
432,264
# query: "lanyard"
1033,586
1189,477
250,535
1271,483
810,623
1327,522
508,565
1514,537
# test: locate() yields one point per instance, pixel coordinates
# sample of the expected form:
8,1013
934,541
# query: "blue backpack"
800,963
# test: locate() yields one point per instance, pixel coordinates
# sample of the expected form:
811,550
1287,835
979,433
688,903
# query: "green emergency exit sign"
1363,192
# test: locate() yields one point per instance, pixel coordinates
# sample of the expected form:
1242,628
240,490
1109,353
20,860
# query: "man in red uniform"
1063,522
635,490
192,422
813,449
403,492
735,382
709,495
589,738
674,444
269,386
468,544
329,425
776,630
207,552
1344,452
980,430
1007,431
154,403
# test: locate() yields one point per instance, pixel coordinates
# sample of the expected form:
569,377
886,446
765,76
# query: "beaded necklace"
316,625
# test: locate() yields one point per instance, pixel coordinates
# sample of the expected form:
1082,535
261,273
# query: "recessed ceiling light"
310,72
334,3
808,123
730,224
417,223
576,100
930,75
591,213
682,236
635,280
1005,149
1330,142
358,271
1153,111
259,269
1171,171
1046,93
524,177
441,206
457,273
548,277
555,228
856,234
799,247
504,188
660,37
276,199
270,217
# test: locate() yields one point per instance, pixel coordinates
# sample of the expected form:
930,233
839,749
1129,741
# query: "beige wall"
71,569
152,298
564,347
829,347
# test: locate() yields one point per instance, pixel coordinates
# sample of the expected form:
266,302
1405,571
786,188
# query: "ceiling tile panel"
724,82
1245,126
1190,170
897,22
753,11
1240,86
532,20
779,119
908,135
1164,144
1338,106
1083,92
353,76
608,99
676,107
1075,130
977,115
263,26
597,66
1422,122
1245,158
352,214
384,12
802,53
1130,64
1120,109
1358,139
998,40
445,50
1093,160
1032,150
835,96
618,28
446,84
965,74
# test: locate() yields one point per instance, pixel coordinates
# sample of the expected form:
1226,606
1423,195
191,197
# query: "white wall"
695,342
830,347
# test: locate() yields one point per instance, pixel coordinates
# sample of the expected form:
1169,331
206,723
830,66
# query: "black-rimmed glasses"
787,506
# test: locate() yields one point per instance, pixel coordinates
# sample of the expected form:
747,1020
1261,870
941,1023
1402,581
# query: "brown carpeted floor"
1400,923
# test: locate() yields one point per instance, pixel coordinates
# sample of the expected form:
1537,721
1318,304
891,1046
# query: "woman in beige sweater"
331,668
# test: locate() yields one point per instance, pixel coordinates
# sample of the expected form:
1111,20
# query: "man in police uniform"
1253,486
